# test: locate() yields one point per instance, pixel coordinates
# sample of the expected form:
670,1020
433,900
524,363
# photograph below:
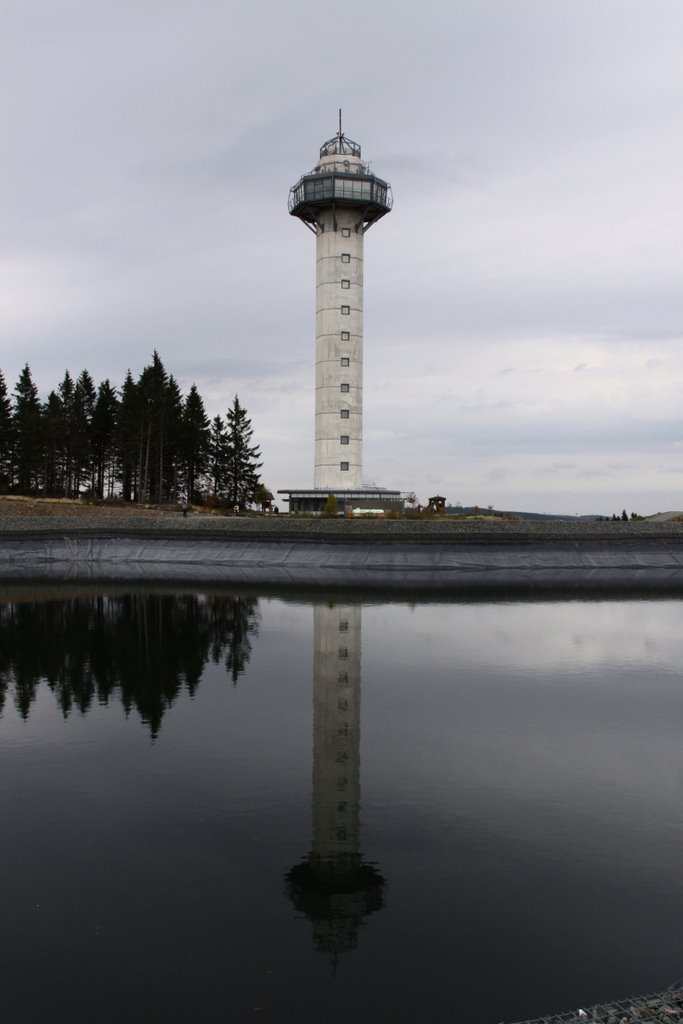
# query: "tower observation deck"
340,180
338,201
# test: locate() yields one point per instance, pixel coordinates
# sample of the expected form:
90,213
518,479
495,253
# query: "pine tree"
27,434
152,388
170,455
64,441
242,466
217,456
104,422
127,439
6,436
194,446
83,409
52,422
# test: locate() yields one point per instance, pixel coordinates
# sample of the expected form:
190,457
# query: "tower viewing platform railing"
323,187
341,145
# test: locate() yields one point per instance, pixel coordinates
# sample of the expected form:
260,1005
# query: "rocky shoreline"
651,1009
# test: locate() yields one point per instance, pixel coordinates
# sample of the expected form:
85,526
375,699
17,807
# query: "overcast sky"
523,324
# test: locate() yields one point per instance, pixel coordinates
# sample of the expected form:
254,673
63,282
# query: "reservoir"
229,804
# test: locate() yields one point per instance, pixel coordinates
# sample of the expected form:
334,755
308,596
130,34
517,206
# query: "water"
230,807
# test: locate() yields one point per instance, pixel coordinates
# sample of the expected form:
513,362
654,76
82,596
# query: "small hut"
437,505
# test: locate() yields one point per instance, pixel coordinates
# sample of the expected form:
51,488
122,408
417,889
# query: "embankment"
441,554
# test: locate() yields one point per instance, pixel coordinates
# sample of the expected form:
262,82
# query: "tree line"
143,441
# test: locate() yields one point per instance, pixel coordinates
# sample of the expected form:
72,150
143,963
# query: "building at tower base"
363,500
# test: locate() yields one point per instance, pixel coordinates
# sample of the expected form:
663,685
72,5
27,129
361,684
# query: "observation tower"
338,201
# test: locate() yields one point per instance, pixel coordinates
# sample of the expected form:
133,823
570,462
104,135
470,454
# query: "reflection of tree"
143,649
233,626
4,673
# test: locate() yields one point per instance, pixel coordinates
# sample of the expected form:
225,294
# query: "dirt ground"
17,505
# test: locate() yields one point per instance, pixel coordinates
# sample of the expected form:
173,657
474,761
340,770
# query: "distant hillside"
478,510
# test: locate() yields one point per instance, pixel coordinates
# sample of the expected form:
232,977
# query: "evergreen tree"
64,441
153,393
104,423
170,458
52,422
194,445
27,434
217,456
6,436
83,409
242,466
127,439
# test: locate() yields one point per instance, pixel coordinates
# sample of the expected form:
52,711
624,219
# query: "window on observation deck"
355,190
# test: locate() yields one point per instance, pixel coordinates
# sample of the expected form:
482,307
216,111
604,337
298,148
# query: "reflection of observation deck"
340,179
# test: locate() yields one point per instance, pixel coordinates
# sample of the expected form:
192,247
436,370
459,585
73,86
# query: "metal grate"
660,1008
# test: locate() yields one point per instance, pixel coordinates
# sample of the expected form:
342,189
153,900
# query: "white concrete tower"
338,201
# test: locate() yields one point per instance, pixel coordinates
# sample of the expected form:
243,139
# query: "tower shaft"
339,351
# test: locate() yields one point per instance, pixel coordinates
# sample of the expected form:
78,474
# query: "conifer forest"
143,441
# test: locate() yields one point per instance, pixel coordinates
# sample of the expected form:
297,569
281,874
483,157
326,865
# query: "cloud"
522,300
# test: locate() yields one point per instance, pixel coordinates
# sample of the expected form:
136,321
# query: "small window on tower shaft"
344,414
344,387
346,232
345,310
345,361
344,439
345,335
346,257
344,466
346,283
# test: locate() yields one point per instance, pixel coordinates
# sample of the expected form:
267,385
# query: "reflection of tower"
339,200
334,887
